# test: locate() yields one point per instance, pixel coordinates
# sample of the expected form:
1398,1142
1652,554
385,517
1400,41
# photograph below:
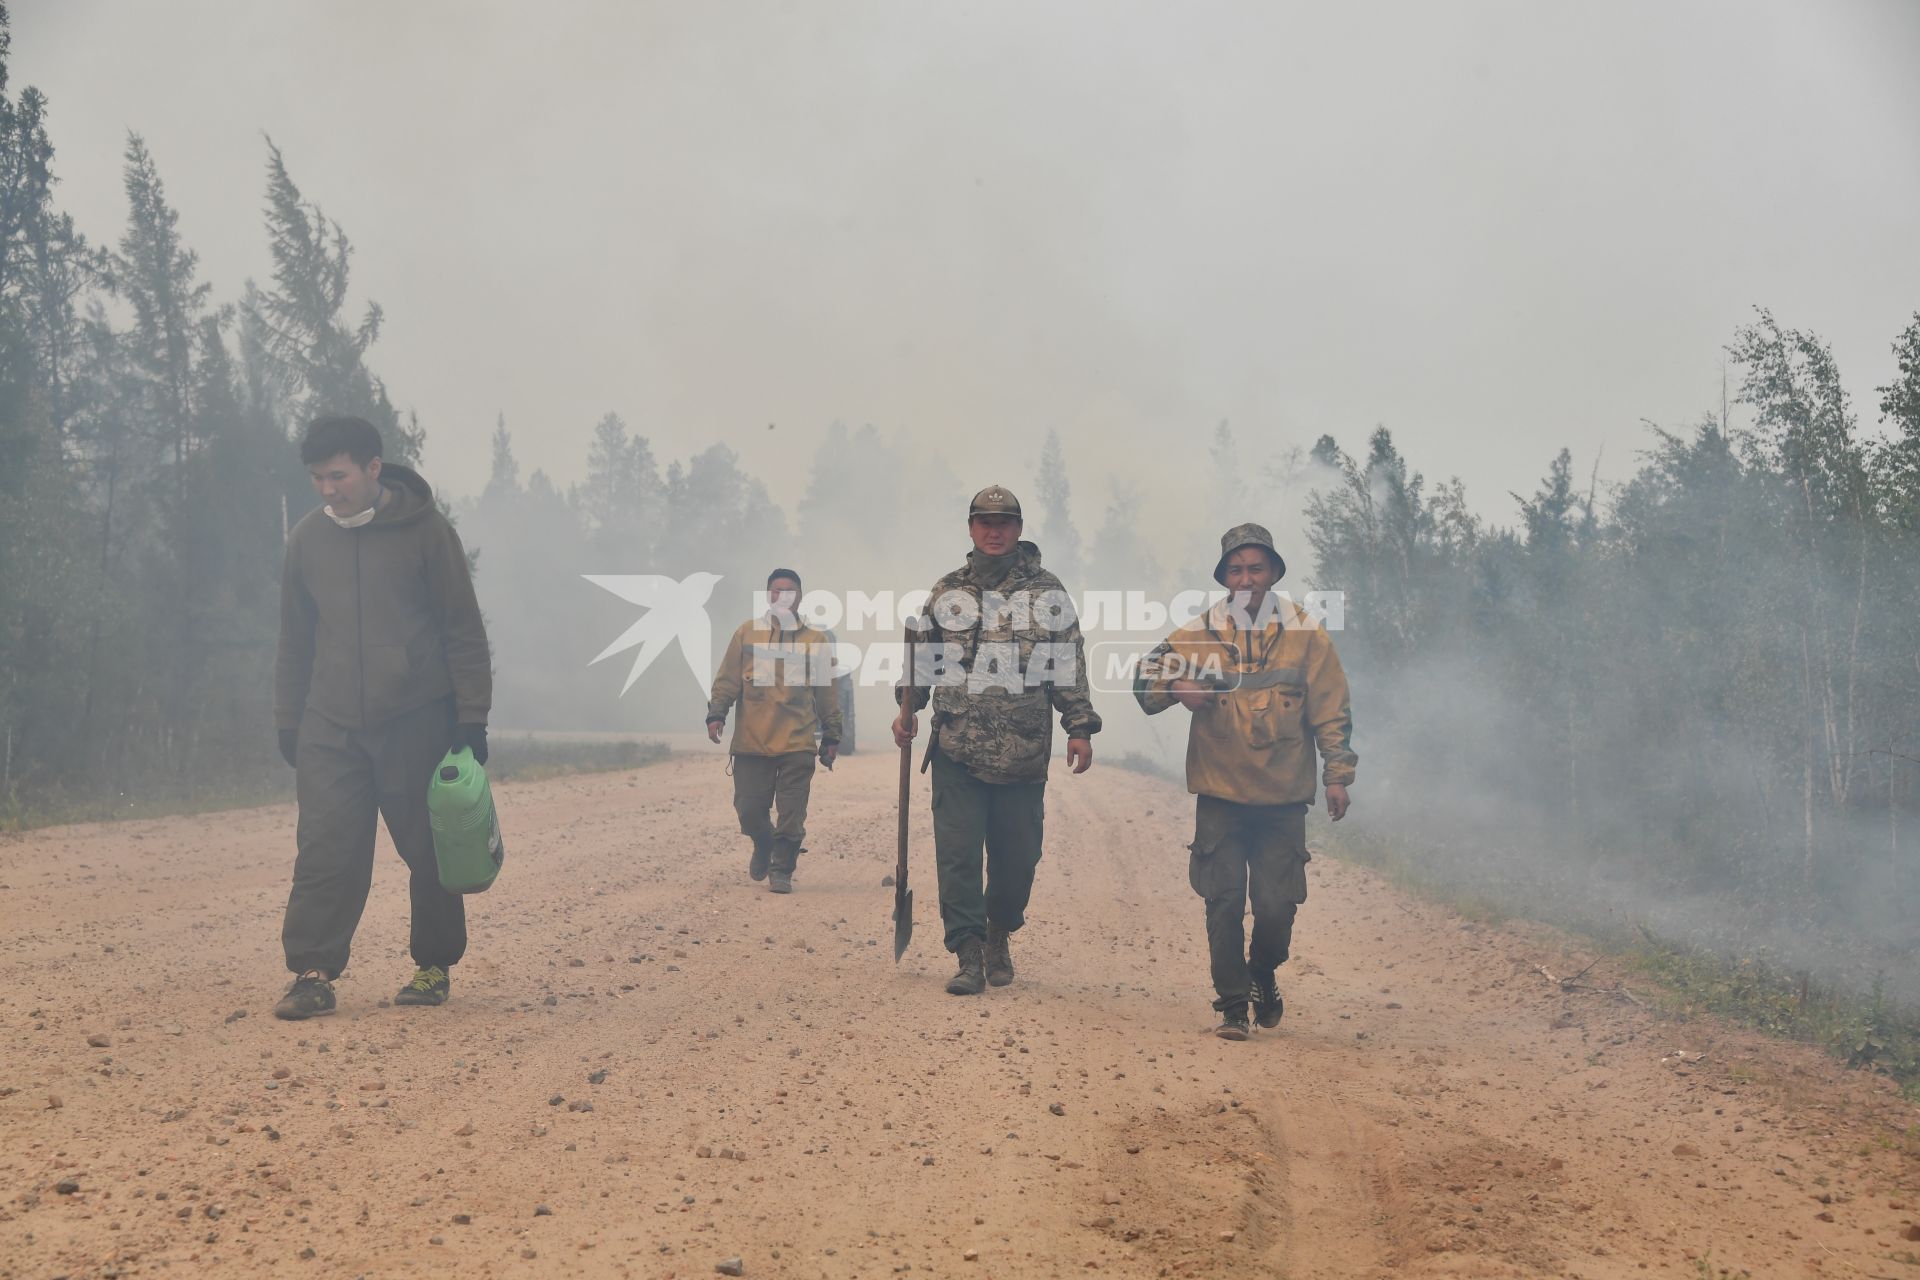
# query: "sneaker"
1233,1023
779,882
1267,1005
757,865
310,996
429,986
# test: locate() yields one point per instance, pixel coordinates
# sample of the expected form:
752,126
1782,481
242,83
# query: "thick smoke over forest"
1681,698
1685,701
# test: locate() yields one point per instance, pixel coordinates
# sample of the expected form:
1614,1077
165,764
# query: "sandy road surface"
1431,1106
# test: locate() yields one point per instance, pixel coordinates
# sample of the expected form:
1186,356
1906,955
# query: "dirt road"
652,1066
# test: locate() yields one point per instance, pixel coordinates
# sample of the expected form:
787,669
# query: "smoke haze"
1498,228
678,288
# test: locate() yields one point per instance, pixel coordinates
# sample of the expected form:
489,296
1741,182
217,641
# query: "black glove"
474,738
289,745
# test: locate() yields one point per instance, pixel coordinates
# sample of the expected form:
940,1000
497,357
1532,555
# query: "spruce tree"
1059,541
302,322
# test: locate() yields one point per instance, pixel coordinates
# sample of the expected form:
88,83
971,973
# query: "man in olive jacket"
1266,689
779,671
382,666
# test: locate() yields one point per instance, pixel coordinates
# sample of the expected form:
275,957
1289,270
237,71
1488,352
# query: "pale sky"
1497,228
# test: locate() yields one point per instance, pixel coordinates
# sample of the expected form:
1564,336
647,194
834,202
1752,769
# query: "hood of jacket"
412,495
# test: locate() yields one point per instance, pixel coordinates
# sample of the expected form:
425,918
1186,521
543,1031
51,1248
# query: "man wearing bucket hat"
998,651
1265,690
779,670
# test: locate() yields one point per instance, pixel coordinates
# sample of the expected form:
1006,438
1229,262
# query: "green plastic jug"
466,830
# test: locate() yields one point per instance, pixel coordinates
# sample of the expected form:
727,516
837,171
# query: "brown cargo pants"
769,785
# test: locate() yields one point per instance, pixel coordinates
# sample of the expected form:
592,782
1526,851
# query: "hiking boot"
999,958
780,882
972,978
429,986
310,996
1233,1023
1267,1005
757,865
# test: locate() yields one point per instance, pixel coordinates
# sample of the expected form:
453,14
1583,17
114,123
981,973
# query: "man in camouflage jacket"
997,652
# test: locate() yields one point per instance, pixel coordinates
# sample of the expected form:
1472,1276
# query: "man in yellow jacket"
1265,689
780,672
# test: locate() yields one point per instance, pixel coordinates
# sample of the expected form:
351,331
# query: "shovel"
903,896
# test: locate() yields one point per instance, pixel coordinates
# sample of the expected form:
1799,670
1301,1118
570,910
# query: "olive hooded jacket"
381,619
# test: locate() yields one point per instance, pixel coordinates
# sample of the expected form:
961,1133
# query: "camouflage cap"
1247,535
994,501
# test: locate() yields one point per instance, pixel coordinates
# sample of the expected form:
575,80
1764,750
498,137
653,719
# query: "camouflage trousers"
346,779
770,796
1007,819
1242,852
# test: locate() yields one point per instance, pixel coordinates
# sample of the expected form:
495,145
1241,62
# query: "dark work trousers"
1242,852
762,783
1009,819
344,778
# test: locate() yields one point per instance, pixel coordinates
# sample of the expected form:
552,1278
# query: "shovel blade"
902,923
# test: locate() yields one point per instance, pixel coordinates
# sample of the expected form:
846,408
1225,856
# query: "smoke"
1188,247
1594,715
1702,856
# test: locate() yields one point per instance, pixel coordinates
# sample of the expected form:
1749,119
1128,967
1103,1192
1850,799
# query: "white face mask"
355,521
